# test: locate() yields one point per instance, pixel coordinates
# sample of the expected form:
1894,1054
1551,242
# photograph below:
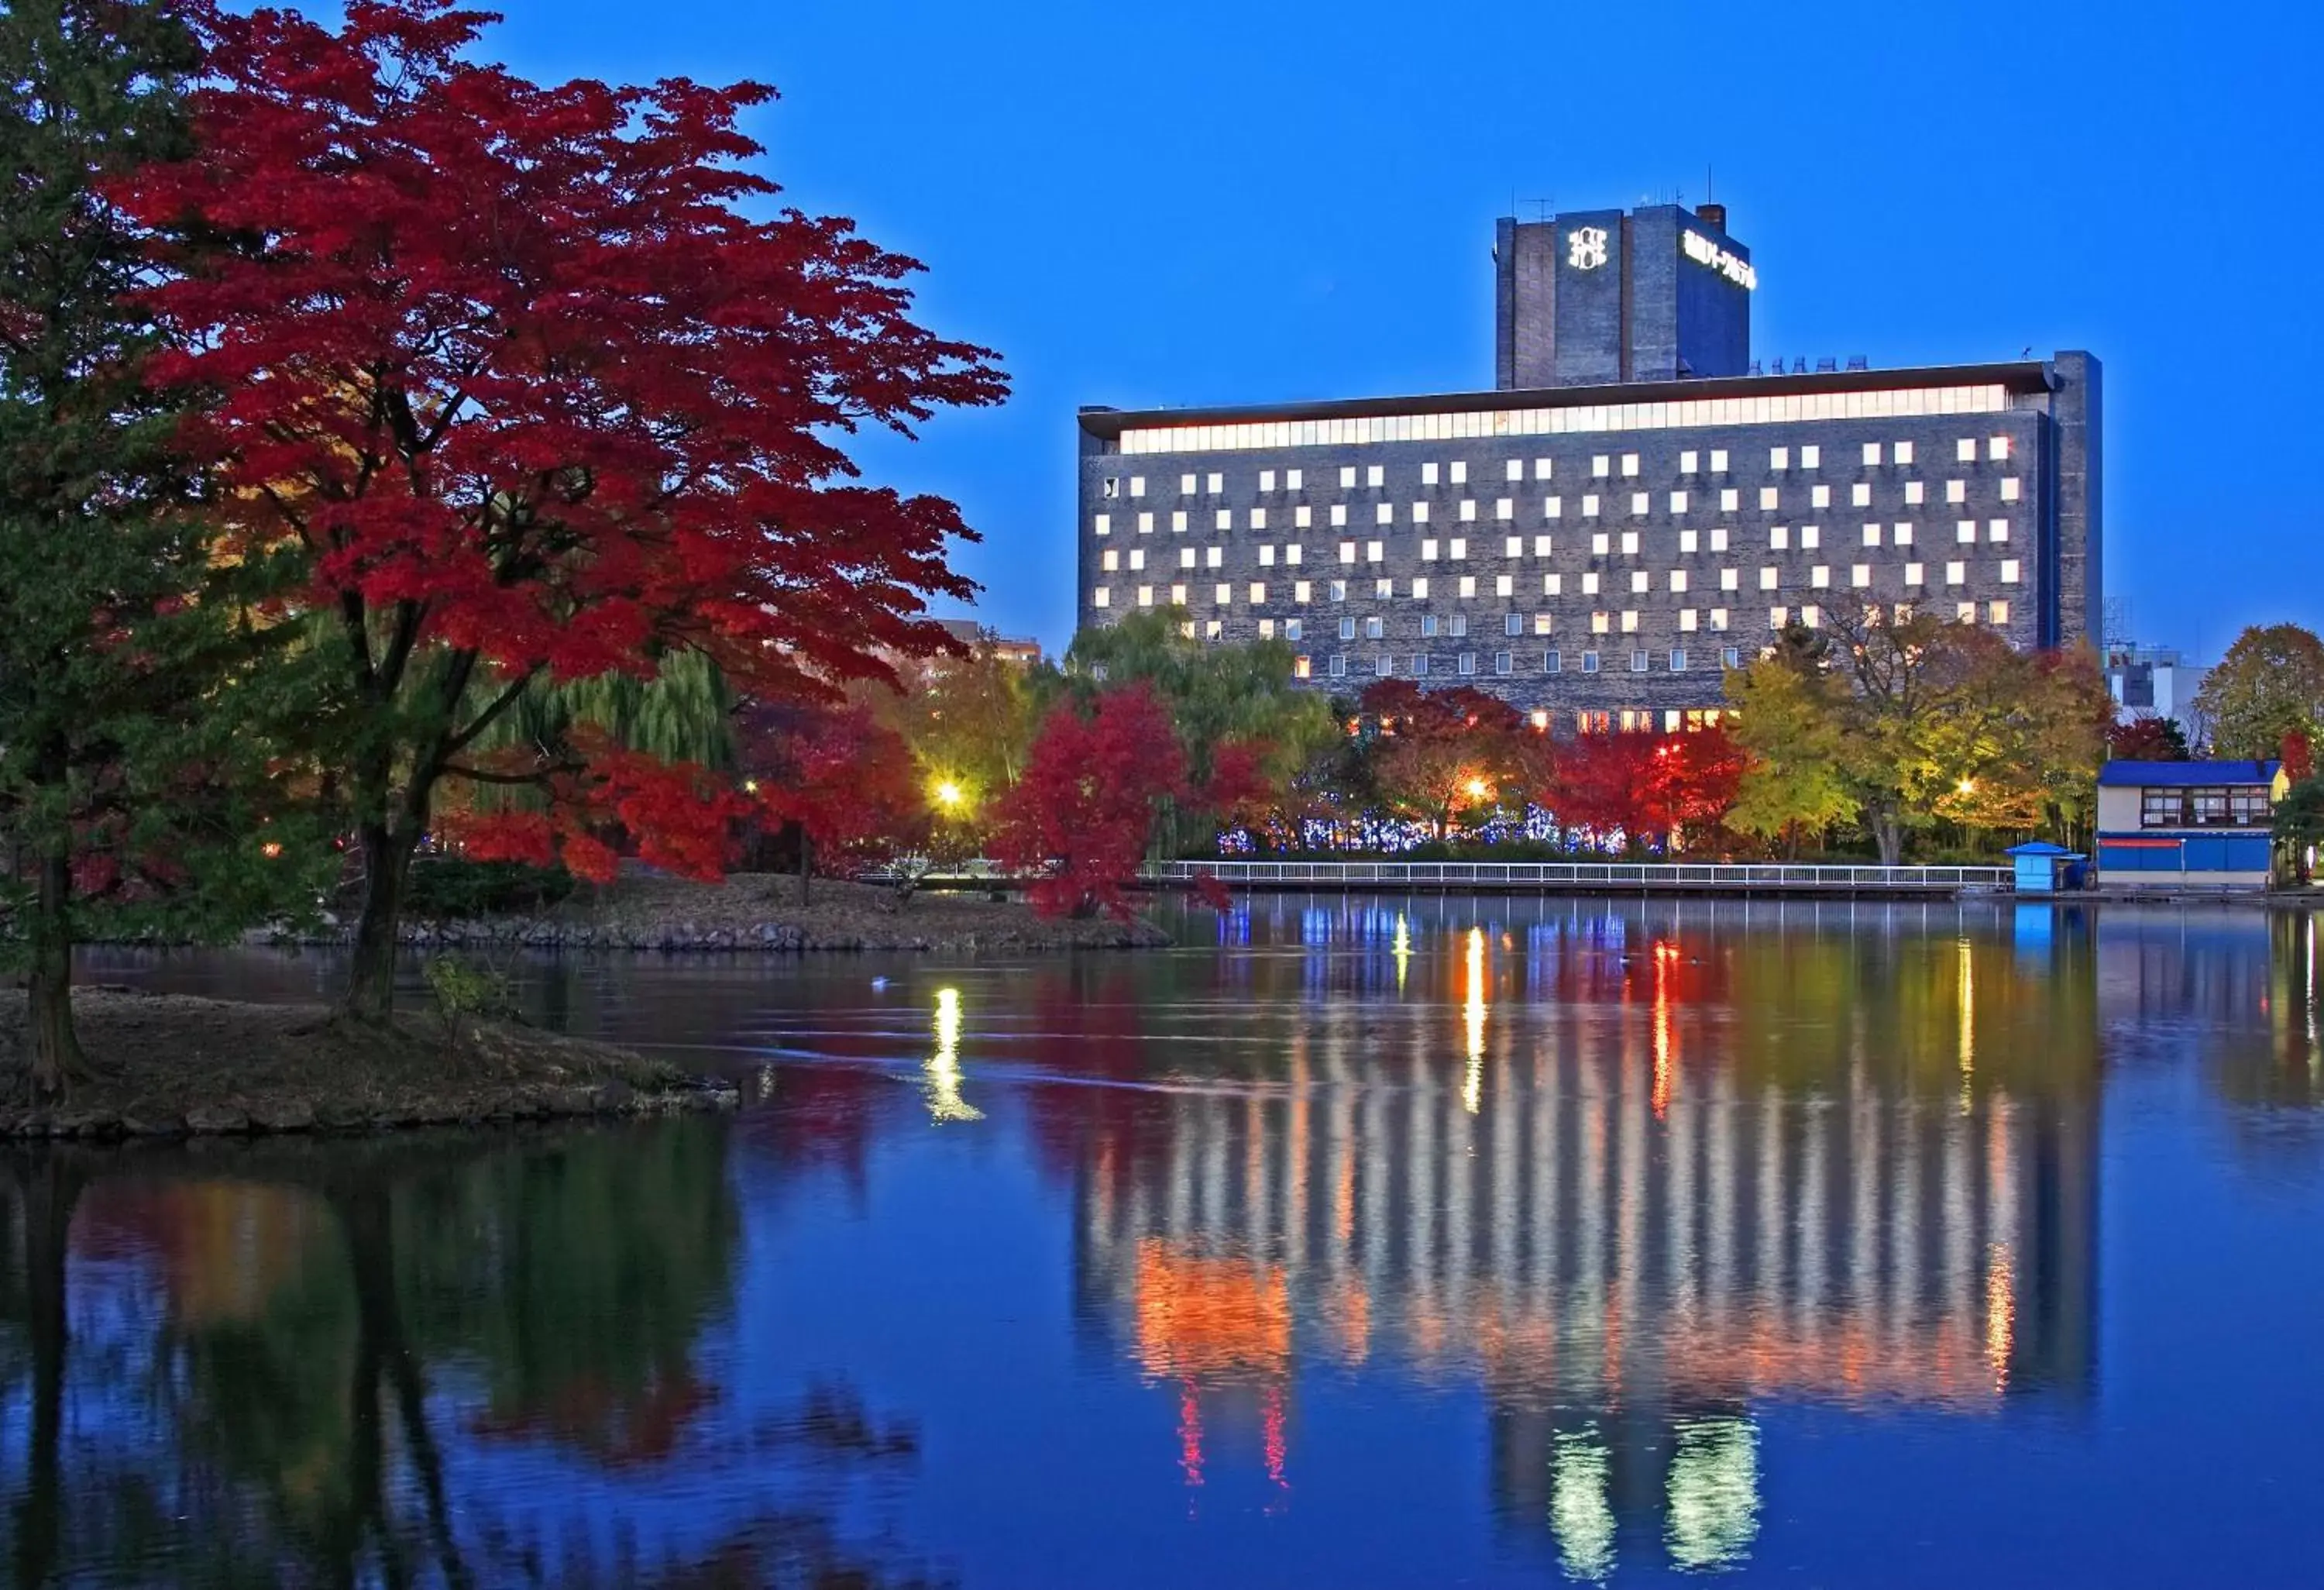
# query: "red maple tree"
1076,824
507,369
845,780
1652,789
1437,753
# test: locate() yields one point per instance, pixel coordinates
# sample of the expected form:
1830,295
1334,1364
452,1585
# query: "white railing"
1753,877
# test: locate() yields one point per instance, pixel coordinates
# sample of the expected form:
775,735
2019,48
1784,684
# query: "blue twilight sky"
1196,202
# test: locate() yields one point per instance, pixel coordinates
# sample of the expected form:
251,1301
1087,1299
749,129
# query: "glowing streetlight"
1479,788
948,794
1968,786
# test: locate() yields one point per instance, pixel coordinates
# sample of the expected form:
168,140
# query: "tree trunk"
56,1047
387,869
1889,834
806,865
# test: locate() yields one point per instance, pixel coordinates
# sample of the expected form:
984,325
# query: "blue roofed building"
2188,825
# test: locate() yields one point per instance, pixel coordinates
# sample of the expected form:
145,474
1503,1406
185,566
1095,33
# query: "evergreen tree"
130,789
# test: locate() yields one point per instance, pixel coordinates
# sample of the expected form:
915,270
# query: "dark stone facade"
2043,439
1595,297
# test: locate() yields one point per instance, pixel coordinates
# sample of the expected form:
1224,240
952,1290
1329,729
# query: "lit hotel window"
1267,480
1218,484
1686,462
1111,561
1687,540
1998,449
1513,470
1718,460
1101,597
1376,474
1955,573
1859,575
1301,668
1819,497
1293,480
1186,486
1915,494
1965,612
1213,556
1996,612
1460,473
1965,531
1552,507
1630,542
1178,521
1223,519
1429,475
1339,514
1468,510
1590,506
1638,503
1299,590
1871,453
1913,573
1384,513
1541,546
1629,465
1504,585
1997,530
1730,499
2009,571
1302,517
1601,545
1601,465
1903,535
1104,524
1541,468
1779,458
1811,457
1767,498
1348,478
1859,495
2009,489
1965,451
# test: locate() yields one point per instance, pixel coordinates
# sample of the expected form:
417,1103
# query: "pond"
1358,1242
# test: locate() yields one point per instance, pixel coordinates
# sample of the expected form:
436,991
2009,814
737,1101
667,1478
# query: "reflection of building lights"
1190,1435
1474,1088
2000,1312
1277,1449
1580,1515
1967,997
1665,953
1714,1493
1403,951
944,1103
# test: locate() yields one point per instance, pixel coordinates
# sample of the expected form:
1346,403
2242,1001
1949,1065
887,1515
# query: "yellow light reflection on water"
943,1068
1403,951
1665,956
1968,996
2000,1312
1714,1493
1472,1089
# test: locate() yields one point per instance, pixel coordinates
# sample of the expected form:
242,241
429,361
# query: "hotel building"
1633,508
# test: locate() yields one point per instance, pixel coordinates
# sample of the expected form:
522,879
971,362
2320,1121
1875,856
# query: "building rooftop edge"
2016,375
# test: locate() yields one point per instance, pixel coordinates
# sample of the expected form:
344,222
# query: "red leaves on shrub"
1077,821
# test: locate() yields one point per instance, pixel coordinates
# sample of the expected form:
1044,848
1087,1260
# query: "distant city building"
1015,648
1630,510
2153,682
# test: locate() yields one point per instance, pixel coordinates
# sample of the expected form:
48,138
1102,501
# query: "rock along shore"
758,912
178,1066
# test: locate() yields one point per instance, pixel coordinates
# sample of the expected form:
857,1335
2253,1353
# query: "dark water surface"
1378,1243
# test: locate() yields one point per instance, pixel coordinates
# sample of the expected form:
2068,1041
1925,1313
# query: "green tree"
2270,684
1791,720
132,787
2300,820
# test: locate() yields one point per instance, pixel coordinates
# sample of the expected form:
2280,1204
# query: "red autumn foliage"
1239,790
844,777
1077,822
2299,757
680,816
508,371
1435,749
1654,789
2146,739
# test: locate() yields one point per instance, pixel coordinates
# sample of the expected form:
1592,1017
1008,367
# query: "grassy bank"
168,1065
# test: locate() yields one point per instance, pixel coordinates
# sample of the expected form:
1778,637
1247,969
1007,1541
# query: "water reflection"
393,1363
1388,1242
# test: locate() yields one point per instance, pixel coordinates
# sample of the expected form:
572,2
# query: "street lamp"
1968,786
947,794
1479,790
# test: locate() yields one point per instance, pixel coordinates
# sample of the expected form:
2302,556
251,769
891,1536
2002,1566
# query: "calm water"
1490,1243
